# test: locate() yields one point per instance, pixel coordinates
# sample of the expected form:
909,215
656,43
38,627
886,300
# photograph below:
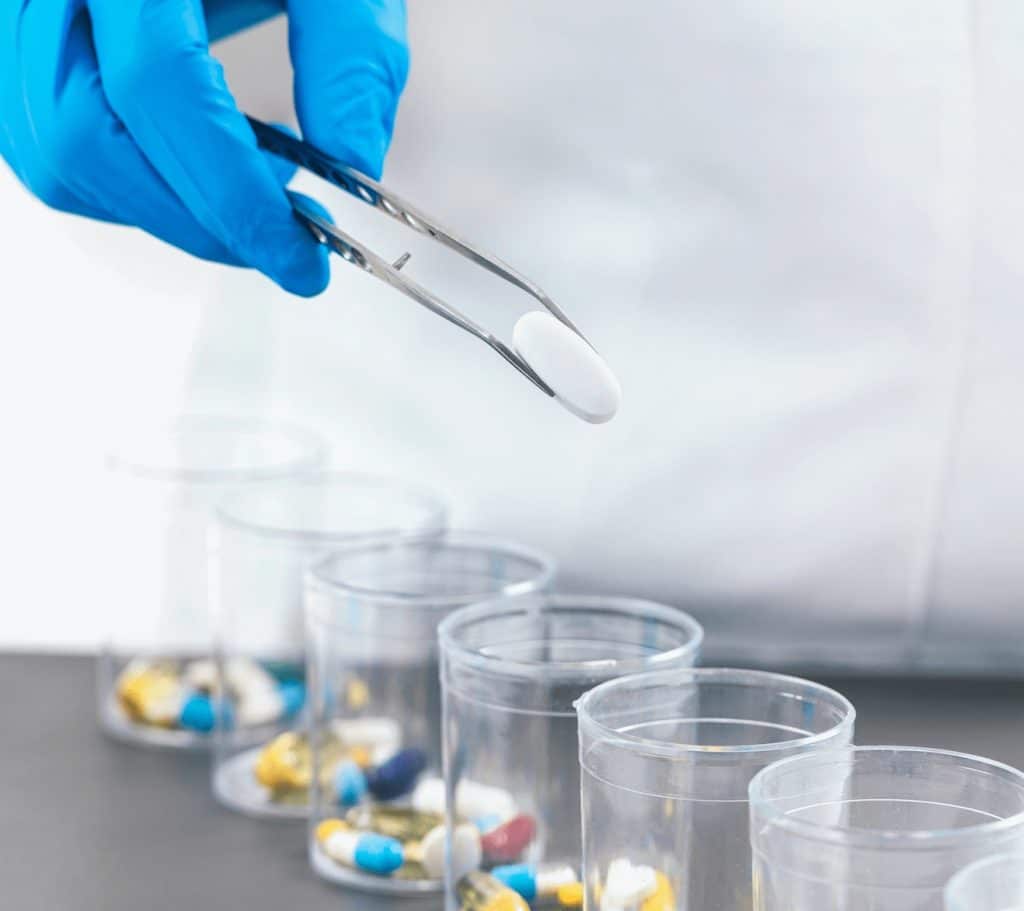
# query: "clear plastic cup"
162,484
263,541
878,827
372,614
666,760
993,884
512,670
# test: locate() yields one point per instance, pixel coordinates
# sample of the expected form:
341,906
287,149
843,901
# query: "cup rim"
435,524
905,839
318,579
743,676
312,453
454,650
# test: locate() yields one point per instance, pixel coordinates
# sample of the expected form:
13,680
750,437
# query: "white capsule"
201,675
246,676
575,372
382,736
627,885
260,706
429,796
473,800
165,708
341,846
551,878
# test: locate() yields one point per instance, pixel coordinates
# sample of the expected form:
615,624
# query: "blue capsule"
398,775
349,783
197,714
293,696
378,853
521,877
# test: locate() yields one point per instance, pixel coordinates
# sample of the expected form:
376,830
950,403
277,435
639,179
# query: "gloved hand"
115,109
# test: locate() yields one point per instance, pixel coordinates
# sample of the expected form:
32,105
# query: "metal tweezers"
348,248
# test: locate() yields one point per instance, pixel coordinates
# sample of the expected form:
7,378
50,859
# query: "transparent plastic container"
666,760
882,827
373,614
993,884
511,673
162,484
262,542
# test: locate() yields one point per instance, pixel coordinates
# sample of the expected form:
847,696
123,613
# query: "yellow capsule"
287,762
570,895
403,823
328,827
357,693
150,693
662,898
479,891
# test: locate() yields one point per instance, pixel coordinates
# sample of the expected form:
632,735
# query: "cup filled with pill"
666,759
511,670
262,543
372,614
156,683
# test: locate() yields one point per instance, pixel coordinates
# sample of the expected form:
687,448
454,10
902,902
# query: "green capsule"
290,797
479,891
403,823
410,870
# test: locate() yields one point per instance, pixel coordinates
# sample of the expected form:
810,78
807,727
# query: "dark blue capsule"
398,775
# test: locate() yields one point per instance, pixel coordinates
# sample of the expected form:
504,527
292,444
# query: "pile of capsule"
359,758
489,840
627,887
184,695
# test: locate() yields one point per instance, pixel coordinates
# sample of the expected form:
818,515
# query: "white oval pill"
576,373
466,852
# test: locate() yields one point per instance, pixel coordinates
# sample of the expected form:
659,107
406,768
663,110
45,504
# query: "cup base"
236,787
334,872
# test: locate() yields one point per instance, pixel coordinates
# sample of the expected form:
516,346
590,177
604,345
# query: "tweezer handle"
369,191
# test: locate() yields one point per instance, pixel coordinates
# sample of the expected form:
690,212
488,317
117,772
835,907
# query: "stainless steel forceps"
348,248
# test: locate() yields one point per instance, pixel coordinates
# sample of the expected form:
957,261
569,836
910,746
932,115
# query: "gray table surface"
90,823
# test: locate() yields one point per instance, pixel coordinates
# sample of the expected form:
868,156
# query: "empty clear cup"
162,485
263,541
878,827
373,614
666,760
512,670
993,884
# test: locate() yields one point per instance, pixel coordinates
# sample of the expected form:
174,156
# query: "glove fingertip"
304,270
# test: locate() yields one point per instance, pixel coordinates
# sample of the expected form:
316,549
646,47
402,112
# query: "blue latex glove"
114,109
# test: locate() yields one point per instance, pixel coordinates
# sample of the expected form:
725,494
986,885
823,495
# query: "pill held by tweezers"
574,371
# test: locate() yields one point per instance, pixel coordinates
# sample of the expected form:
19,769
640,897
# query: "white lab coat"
794,231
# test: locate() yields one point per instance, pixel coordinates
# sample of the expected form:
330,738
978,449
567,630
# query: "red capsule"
507,842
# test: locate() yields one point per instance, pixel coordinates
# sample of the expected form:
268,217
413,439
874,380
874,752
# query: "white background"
795,237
